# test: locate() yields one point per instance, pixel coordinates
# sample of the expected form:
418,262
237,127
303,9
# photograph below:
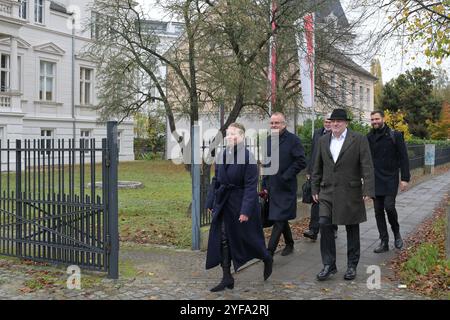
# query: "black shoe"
310,234
398,241
383,247
326,272
268,262
350,274
225,283
287,250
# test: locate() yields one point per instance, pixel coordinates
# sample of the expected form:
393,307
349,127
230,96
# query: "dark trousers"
280,227
328,243
314,225
381,204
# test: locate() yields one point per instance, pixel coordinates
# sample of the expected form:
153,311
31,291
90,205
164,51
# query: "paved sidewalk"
165,273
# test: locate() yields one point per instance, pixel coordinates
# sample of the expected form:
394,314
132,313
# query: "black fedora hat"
339,114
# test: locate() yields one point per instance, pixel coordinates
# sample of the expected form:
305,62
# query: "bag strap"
392,135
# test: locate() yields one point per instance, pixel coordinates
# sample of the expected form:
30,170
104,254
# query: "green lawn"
156,213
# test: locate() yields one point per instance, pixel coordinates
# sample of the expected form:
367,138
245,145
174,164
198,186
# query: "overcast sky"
391,59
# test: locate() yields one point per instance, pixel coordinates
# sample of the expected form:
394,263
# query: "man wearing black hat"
342,179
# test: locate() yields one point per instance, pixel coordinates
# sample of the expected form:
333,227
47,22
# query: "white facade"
47,88
167,33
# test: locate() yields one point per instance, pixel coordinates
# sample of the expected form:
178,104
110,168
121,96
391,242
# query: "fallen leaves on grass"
422,265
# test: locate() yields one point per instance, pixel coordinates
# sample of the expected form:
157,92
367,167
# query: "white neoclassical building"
46,88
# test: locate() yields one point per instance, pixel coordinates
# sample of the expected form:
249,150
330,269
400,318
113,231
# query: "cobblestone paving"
158,273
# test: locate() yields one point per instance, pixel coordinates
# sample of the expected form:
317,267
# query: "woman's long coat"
234,192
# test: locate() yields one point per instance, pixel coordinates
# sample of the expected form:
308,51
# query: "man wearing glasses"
281,188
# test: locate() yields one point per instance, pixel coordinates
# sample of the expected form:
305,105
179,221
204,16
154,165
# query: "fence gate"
51,208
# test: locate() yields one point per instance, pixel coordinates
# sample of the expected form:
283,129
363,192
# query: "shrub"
396,121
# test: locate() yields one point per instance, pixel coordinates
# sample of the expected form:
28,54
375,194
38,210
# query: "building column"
14,67
31,11
14,78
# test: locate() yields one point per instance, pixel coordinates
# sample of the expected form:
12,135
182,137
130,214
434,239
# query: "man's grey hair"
279,114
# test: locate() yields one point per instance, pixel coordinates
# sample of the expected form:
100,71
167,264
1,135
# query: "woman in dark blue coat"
236,233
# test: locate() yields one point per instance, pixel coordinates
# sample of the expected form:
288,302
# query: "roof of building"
340,58
332,8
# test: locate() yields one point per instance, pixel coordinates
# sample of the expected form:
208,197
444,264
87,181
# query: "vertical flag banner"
272,58
305,45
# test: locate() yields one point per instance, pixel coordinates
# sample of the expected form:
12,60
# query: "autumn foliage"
396,121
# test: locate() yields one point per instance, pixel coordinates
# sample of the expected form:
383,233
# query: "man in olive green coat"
342,179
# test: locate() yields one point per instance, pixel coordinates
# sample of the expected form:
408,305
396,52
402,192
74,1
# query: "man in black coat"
314,221
281,188
389,154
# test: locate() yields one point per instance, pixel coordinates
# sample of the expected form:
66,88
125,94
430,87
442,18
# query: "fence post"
19,220
113,207
196,197
430,151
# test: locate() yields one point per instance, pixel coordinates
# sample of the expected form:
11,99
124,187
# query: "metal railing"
49,212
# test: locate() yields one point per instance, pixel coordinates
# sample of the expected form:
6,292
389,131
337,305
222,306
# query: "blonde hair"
238,126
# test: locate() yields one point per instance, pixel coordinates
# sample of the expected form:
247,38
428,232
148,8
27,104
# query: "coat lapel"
349,139
283,136
327,146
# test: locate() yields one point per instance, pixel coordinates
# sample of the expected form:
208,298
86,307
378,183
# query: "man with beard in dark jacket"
389,154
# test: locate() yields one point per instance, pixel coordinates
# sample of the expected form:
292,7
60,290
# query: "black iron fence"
442,155
50,209
416,154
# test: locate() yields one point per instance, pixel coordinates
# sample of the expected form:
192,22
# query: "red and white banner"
305,45
273,58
